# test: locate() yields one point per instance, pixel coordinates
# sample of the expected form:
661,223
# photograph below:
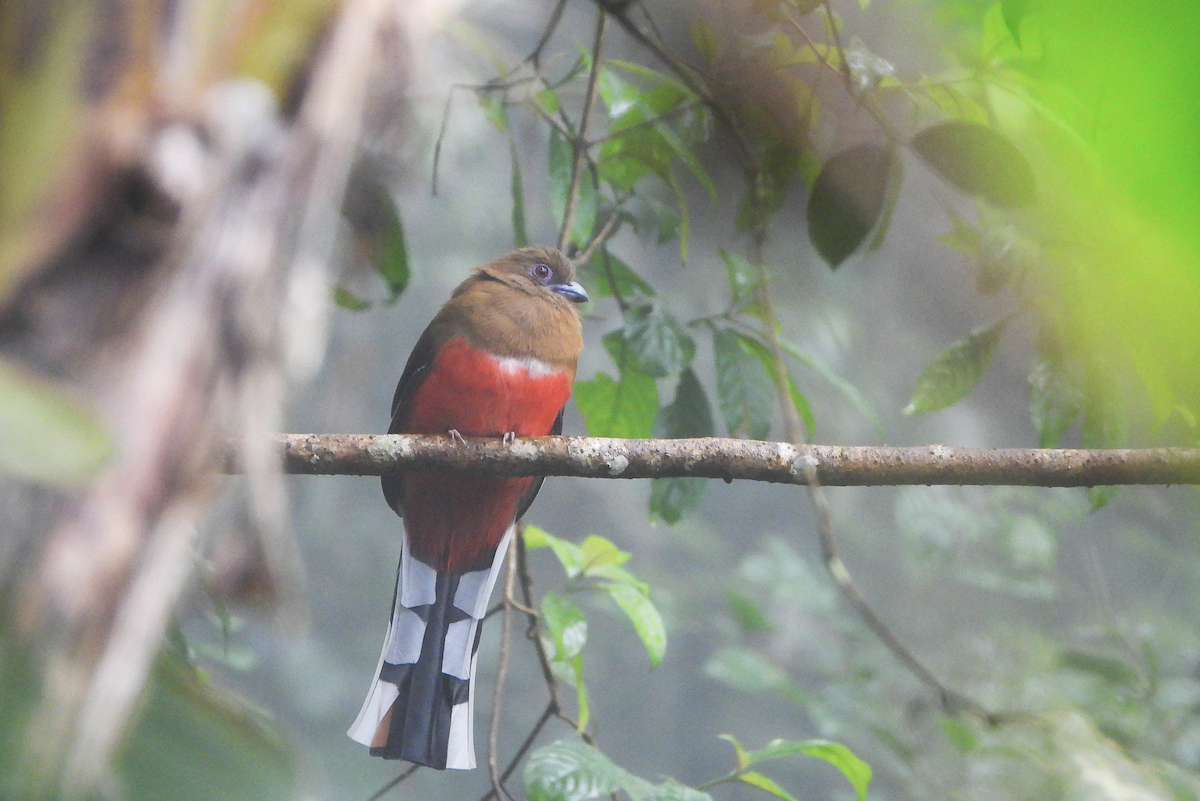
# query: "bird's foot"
456,437
510,437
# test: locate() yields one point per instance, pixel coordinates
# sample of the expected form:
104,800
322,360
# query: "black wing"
531,493
415,371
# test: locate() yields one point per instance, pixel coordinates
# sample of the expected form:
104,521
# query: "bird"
498,359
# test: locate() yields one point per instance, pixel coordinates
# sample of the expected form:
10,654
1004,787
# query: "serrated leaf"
847,200
644,616
570,770
651,342
978,161
612,409
955,373
566,624
705,39
517,190
46,435
605,275
744,389
755,779
348,300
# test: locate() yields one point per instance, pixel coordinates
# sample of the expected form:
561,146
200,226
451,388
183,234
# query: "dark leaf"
1111,670
750,618
955,373
520,235
799,402
651,342
978,161
689,415
894,181
672,498
744,389
847,200
612,409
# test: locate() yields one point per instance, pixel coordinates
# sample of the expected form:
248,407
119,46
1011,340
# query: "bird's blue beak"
572,292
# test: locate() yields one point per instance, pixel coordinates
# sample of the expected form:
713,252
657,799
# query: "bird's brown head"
537,271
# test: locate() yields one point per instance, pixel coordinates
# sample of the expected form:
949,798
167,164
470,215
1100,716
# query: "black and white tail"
421,704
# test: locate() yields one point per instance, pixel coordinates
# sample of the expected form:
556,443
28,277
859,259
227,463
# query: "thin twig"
501,676
535,57
580,141
547,713
385,788
531,633
608,229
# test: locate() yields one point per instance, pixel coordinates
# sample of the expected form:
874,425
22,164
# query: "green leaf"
848,199
755,779
598,552
644,616
612,409
746,612
744,389
673,498
493,107
857,772
581,694
562,160
1055,400
743,761
962,237
746,670
1113,671
391,259
959,733
520,232
705,39
651,342
46,435
671,790
1104,426
955,373
978,161
567,626
799,402
689,414
570,770
193,742
895,180
743,283
569,554
348,300
605,275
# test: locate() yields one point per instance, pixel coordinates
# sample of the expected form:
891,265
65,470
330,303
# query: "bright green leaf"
955,373
755,779
959,733
45,434
566,624
599,552
743,761
644,616
581,694
744,389
612,409
569,554
391,259
857,772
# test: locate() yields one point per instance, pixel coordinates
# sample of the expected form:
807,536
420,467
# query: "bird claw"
456,437
510,437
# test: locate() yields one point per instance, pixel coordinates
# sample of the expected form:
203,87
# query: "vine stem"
579,144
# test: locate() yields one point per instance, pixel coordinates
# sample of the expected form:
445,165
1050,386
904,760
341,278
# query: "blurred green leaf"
705,39
494,108
978,161
391,254
193,741
1055,400
848,199
895,179
857,772
598,551
517,189
960,733
799,402
46,435
743,283
739,752
644,616
651,342
612,409
962,237
747,613
672,498
348,300
744,389
746,670
566,625
1113,671
955,373
689,414
756,779
848,390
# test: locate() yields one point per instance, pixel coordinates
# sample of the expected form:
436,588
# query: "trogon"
497,360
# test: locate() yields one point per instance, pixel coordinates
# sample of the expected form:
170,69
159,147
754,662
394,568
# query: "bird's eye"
541,272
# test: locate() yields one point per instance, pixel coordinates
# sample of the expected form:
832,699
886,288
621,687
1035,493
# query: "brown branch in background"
580,141
752,460
382,791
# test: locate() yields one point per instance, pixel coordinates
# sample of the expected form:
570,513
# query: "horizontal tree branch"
710,457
